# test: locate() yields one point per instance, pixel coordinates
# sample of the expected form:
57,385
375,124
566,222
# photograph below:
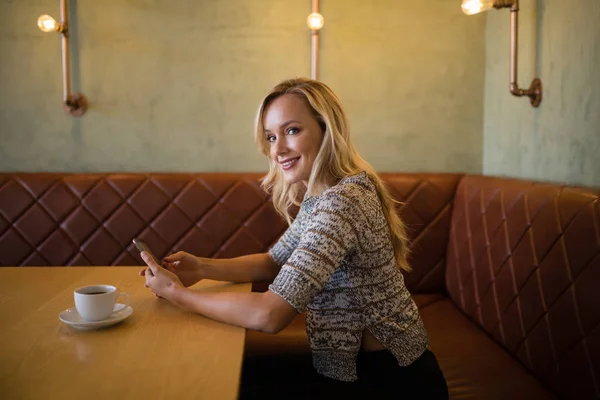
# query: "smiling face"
294,137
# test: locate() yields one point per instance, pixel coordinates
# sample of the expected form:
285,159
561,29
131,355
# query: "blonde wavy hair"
337,158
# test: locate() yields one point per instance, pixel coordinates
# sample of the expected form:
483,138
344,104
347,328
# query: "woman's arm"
250,268
262,267
265,312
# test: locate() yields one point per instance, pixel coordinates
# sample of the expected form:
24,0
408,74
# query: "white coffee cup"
95,303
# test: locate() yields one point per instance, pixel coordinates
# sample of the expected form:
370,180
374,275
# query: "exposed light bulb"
471,7
48,24
315,21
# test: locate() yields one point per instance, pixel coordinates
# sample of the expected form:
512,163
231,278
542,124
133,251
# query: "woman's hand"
161,281
186,266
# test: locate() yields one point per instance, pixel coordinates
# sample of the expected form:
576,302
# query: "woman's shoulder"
355,186
350,192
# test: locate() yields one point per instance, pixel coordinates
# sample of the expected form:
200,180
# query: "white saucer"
71,317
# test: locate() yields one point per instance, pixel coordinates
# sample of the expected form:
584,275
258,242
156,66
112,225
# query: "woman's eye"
271,138
292,131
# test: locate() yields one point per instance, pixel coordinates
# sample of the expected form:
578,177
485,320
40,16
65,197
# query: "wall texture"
173,86
559,141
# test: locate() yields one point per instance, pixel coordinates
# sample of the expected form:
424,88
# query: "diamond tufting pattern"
426,209
90,219
524,264
87,219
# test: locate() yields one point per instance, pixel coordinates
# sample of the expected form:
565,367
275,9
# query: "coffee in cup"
97,302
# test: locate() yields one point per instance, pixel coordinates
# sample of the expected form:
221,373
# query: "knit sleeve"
283,249
330,235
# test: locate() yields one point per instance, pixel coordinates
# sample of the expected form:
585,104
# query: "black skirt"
292,376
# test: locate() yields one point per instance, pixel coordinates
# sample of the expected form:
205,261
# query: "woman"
339,261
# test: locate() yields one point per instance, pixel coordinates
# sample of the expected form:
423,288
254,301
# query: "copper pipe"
314,45
514,45
535,89
315,54
74,104
65,50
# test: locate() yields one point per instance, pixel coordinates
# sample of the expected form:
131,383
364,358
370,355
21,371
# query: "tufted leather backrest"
524,263
426,209
90,219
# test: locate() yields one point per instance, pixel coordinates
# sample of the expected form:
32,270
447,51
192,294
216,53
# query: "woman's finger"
149,276
152,266
171,266
142,272
174,257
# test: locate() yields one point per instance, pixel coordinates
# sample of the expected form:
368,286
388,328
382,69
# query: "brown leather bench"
505,271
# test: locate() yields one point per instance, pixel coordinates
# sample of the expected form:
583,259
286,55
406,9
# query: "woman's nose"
279,147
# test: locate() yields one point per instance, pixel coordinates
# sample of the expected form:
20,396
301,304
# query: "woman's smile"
288,163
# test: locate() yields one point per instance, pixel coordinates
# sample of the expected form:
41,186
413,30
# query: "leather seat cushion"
474,365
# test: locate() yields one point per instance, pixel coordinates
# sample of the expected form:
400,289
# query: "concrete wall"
174,85
560,140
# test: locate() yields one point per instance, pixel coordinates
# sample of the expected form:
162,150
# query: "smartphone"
142,246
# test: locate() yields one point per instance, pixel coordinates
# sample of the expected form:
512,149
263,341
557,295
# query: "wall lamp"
74,104
315,22
471,7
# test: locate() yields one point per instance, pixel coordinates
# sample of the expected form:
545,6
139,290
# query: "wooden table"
159,352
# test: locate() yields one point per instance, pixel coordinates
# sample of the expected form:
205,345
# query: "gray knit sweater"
337,264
